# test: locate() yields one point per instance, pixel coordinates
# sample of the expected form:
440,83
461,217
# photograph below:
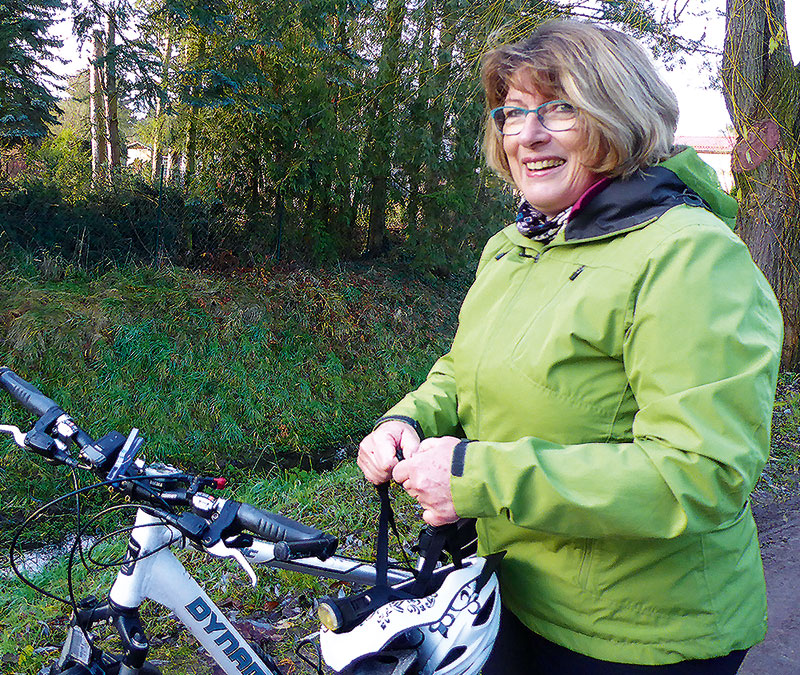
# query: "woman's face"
545,165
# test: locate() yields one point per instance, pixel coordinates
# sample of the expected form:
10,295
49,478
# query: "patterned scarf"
535,225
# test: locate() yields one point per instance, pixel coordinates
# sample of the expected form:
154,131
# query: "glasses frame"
536,111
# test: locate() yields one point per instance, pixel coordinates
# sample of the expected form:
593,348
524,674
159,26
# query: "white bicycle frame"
153,572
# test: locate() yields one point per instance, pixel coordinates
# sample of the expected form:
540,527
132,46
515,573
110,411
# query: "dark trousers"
520,651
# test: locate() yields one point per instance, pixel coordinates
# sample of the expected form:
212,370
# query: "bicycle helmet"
447,632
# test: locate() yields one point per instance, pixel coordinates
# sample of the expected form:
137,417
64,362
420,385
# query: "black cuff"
459,454
401,418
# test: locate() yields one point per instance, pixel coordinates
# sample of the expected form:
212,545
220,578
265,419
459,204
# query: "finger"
401,473
409,444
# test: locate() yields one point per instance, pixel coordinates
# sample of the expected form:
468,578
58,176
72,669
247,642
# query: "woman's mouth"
542,164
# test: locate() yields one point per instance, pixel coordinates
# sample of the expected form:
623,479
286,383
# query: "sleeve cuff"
459,454
401,418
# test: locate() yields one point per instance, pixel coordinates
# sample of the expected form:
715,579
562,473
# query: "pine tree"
27,105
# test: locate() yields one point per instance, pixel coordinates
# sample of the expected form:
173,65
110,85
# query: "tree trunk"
761,84
110,95
379,153
418,116
190,153
96,117
158,138
436,113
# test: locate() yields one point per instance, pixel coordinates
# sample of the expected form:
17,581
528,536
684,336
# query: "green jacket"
616,387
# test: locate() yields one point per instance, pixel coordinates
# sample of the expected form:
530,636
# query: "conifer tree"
27,98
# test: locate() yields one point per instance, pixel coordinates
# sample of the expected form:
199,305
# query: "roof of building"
713,145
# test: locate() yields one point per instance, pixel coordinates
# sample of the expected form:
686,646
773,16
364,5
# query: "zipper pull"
575,274
523,254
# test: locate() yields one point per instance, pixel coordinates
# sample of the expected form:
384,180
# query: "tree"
27,99
762,94
97,112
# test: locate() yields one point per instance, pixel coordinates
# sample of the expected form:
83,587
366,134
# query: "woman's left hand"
425,475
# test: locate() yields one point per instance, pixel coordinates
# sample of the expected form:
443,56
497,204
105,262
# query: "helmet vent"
452,656
486,611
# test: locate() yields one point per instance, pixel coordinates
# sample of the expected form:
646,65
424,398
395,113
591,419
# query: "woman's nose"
533,131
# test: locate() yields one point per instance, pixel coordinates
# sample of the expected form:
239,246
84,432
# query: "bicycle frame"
151,571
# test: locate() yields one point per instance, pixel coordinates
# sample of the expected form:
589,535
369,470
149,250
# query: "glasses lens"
557,116
509,120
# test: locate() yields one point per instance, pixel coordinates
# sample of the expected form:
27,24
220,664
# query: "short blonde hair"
628,113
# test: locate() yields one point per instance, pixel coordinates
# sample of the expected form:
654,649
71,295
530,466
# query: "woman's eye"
514,113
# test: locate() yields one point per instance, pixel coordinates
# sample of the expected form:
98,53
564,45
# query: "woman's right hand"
377,453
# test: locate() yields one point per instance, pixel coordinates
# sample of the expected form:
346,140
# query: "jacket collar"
628,203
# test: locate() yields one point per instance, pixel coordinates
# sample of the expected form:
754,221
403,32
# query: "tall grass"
267,368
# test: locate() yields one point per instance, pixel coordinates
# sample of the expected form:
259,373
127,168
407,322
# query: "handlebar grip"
318,548
28,396
275,527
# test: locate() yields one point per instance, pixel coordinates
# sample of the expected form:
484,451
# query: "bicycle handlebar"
293,539
24,393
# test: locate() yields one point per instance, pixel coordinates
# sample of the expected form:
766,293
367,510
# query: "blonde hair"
628,113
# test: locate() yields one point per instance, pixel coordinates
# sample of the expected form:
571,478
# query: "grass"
264,376
268,368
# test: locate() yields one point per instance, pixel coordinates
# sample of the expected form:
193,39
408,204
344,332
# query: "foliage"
64,159
26,103
60,216
74,115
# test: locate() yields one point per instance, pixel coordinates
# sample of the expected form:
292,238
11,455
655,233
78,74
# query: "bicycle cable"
38,512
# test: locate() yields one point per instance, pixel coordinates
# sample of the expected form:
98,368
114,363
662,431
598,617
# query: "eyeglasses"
553,116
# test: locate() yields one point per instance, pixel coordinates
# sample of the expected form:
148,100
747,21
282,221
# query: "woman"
604,411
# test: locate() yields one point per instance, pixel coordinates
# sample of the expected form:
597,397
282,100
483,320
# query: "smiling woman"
603,412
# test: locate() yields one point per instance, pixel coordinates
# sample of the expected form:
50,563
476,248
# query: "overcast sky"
703,110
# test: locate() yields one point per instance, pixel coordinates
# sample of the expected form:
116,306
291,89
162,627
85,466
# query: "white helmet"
451,631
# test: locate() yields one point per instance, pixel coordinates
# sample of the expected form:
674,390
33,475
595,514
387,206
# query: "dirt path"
779,533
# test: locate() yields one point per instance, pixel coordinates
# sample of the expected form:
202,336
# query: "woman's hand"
425,475
377,453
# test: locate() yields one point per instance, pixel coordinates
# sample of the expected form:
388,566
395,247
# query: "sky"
703,111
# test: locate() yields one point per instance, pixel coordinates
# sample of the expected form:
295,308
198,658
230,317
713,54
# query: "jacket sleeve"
701,352
433,406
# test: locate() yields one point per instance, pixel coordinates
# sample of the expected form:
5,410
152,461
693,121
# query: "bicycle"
176,510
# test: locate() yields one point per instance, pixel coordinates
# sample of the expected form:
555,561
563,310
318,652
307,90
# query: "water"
36,560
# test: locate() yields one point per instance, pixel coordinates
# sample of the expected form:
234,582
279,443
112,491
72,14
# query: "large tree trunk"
158,138
111,97
97,122
761,84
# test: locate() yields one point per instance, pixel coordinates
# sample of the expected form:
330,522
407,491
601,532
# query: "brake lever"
19,437
220,550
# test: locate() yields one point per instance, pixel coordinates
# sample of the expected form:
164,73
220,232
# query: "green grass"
264,377
271,368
